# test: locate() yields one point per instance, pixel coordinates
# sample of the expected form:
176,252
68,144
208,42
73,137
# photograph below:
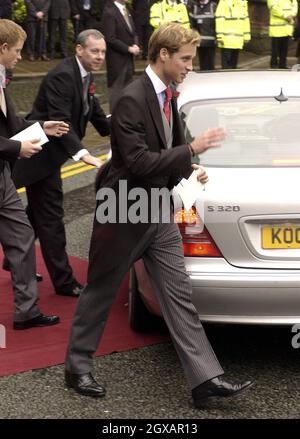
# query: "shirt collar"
158,85
120,7
2,76
83,72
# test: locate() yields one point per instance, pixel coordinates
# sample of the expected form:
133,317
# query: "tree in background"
19,11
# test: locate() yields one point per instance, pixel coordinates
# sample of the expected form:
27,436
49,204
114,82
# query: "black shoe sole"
68,295
20,325
202,403
84,392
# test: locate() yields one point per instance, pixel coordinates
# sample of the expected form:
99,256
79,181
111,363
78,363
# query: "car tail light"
196,239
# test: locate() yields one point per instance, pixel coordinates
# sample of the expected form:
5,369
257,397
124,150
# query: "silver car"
245,264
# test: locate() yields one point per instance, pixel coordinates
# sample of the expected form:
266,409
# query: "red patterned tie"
167,107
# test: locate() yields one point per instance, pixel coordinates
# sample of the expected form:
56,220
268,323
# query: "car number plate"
283,236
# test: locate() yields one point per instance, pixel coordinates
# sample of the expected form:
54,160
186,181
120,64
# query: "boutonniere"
92,89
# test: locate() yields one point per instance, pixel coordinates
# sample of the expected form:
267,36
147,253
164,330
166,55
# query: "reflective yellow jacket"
232,24
279,26
162,12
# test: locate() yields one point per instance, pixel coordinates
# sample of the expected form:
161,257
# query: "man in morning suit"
16,234
122,46
66,93
148,151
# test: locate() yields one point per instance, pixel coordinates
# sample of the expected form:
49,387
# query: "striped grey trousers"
162,253
17,240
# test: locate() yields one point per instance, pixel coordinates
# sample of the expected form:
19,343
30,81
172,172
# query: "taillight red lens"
196,239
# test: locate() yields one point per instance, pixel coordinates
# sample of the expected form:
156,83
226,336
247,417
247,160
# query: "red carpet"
42,347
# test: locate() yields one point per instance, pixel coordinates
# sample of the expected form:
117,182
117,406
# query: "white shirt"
2,76
86,5
121,8
2,86
158,84
83,72
83,151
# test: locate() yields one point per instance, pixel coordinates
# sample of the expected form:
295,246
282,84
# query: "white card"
189,190
34,131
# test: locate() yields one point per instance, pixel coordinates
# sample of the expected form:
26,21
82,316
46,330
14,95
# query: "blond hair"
11,33
171,36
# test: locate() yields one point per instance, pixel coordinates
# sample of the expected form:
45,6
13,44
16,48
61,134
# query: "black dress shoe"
217,387
5,266
38,321
74,291
84,384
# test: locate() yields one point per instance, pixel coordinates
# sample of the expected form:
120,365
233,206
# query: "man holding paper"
66,93
149,152
16,234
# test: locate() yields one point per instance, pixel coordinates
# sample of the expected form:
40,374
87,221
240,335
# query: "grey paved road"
148,383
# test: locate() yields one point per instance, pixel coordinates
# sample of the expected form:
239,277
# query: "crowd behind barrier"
53,25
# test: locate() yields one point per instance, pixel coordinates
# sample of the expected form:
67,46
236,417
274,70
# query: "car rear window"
260,132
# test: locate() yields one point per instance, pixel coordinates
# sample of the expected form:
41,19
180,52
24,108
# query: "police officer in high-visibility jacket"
232,30
281,28
169,11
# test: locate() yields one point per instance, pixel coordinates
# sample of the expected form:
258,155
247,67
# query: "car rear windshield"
260,132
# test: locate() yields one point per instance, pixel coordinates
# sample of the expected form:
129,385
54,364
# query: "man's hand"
209,139
201,174
55,128
29,148
89,159
134,49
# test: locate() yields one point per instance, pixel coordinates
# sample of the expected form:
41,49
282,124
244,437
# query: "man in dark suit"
122,46
66,93
148,151
86,14
6,9
59,13
37,23
141,16
16,234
